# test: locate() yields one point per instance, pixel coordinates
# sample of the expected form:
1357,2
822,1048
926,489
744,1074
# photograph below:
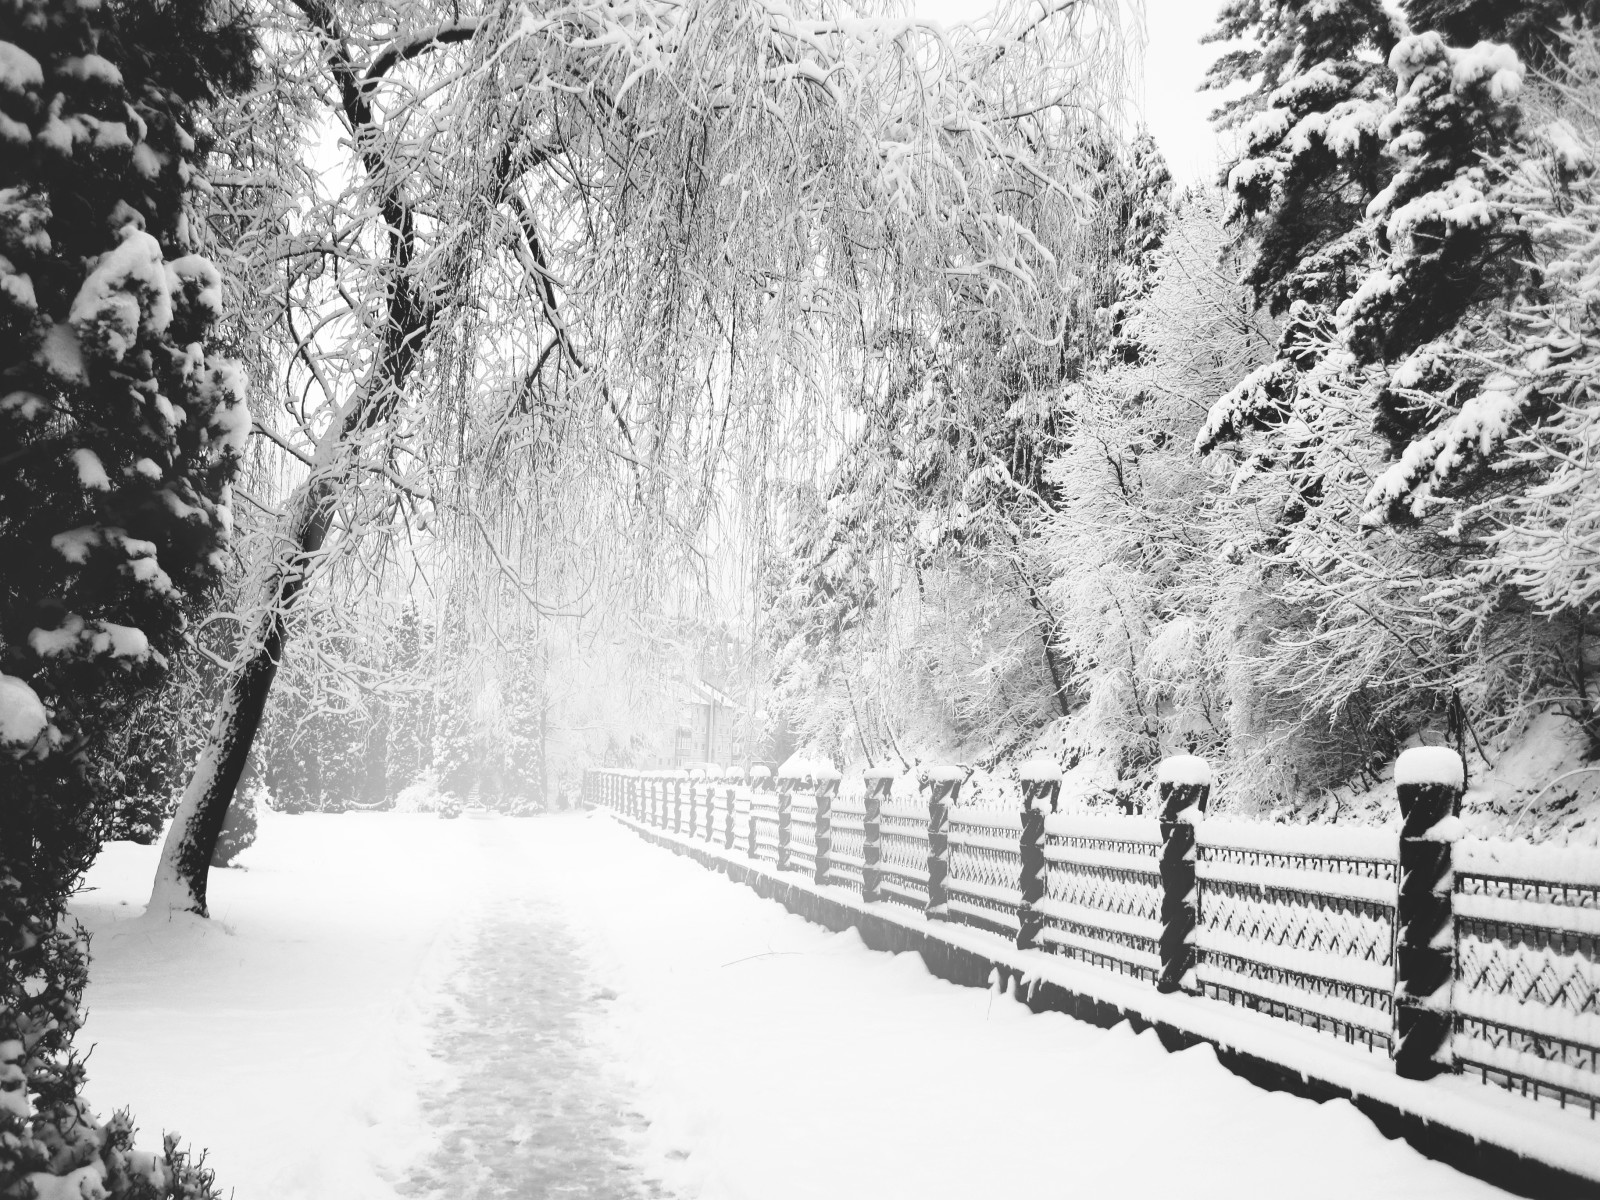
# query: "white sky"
1174,64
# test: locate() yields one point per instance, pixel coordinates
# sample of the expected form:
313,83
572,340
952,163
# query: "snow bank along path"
574,977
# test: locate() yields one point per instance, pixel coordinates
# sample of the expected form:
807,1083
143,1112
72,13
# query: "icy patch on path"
535,1111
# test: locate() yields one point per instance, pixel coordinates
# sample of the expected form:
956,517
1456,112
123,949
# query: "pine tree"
120,432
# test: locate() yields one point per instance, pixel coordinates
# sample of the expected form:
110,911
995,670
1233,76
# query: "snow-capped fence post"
944,786
735,784
1184,781
879,786
1041,783
697,793
714,775
786,780
826,779
629,797
1429,781
760,781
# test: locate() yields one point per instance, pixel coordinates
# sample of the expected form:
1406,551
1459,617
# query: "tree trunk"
181,877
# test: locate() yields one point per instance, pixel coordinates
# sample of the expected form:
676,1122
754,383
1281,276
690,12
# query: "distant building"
710,726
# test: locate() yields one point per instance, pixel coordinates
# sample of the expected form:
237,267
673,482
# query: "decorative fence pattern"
1102,900
1444,953
1300,934
903,869
1527,994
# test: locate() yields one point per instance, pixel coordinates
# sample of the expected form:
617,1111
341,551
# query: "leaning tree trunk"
180,883
181,878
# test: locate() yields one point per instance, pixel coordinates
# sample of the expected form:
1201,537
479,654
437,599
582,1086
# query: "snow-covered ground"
376,988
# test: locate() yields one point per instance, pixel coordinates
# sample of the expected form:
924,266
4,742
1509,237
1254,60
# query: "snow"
27,405
288,1035
127,288
1184,770
295,1037
61,354
1428,764
22,714
882,771
91,67
19,70
1578,865
1381,844
1106,828
91,472
1039,770
943,773
74,545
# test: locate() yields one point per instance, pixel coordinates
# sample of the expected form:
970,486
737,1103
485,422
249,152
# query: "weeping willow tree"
568,278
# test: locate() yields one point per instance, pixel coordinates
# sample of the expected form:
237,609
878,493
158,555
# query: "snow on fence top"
1577,866
1184,770
1105,829
1377,843
883,772
825,772
944,773
1429,764
1039,770
760,771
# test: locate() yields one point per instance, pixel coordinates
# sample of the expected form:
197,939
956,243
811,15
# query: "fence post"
698,777
880,785
1041,784
678,782
760,781
733,778
827,785
787,777
1429,781
1185,785
944,786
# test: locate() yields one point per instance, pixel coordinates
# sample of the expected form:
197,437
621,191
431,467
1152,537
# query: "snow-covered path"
607,1019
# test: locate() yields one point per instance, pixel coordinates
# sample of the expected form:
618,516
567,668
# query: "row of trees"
537,299
1314,479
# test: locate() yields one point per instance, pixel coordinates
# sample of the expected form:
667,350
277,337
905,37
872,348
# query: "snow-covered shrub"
238,829
51,1144
122,428
449,807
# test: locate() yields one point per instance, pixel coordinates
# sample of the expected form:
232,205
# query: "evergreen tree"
121,430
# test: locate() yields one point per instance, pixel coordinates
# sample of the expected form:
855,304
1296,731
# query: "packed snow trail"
397,1005
534,1111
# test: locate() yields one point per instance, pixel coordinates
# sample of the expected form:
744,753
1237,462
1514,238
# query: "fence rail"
1447,954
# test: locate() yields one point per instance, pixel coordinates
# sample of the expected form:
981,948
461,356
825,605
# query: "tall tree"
652,201
120,429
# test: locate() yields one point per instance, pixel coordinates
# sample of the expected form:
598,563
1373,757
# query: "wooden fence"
1447,954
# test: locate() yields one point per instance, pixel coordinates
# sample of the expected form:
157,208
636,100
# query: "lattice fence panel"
1102,901
764,815
1299,923
847,857
1527,990
904,832
985,868
803,832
